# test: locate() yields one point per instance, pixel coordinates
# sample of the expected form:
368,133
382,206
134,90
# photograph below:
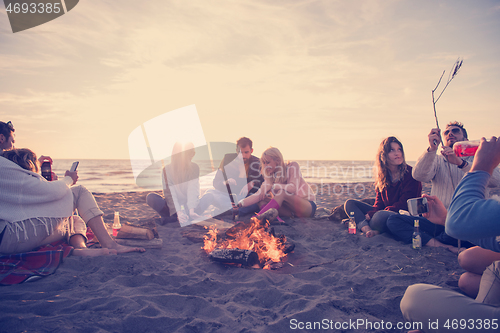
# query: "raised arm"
426,167
495,178
470,215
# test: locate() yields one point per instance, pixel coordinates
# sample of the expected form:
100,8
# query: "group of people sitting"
396,182
242,182
34,212
458,207
273,184
470,216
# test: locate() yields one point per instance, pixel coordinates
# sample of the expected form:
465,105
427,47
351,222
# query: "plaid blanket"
17,268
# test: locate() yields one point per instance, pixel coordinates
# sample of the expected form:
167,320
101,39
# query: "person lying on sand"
283,189
36,212
394,185
470,216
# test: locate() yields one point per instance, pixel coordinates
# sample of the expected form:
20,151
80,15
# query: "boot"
273,204
270,215
165,216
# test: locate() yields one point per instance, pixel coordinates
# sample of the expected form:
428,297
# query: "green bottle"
416,238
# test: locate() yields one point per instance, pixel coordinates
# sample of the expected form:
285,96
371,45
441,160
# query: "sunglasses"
10,126
455,131
266,162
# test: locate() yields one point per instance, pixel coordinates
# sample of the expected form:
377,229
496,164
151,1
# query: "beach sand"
331,278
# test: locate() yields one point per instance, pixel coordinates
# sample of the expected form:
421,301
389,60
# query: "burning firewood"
235,256
255,236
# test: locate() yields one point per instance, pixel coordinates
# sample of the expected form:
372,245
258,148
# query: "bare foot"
372,233
369,231
85,252
452,249
435,243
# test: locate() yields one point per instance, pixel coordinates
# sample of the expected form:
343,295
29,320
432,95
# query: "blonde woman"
283,188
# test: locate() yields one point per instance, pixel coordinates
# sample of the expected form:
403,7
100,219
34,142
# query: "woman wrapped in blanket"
283,189
36,212
394,185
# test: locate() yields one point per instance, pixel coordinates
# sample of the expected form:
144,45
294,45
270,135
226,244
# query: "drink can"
466,148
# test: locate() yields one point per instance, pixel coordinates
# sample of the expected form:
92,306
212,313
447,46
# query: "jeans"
377,222
402,227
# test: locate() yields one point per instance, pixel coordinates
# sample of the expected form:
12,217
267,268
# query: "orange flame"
210,239
255,237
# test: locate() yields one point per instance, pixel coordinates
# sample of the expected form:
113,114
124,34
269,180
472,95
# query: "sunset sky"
318,79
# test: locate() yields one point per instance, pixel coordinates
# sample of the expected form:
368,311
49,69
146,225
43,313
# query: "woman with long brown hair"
394,185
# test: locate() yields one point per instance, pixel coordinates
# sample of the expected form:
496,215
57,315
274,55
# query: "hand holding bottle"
487,156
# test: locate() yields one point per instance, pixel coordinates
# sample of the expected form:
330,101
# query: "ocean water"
106,176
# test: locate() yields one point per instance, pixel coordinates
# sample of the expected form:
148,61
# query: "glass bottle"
116,224
352,223
466,148
416,238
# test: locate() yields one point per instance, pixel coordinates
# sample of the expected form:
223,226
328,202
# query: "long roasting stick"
454,71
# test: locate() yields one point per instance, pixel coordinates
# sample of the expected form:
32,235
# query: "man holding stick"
472,217
444,171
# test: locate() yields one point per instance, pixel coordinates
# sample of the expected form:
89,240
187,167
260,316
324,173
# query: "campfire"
248,244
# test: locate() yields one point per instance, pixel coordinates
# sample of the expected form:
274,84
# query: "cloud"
301,64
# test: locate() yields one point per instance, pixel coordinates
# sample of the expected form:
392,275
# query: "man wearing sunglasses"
7,136
444,171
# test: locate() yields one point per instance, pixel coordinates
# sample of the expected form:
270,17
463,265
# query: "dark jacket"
394,196
252,174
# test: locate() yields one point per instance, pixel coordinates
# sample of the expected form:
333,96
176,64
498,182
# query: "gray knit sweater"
431,167
25,194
